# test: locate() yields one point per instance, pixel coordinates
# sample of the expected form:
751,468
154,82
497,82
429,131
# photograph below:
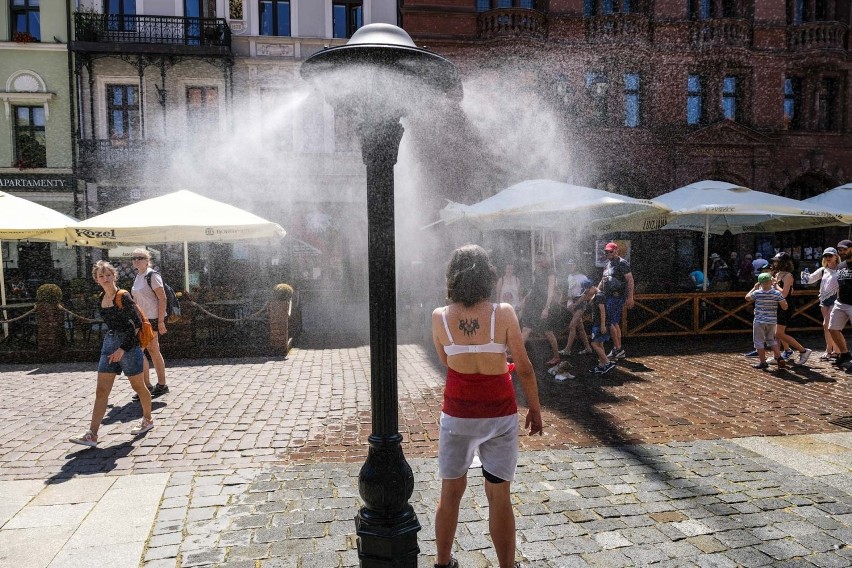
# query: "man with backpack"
149,292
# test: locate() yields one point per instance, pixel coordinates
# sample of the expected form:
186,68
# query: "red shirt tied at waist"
479,396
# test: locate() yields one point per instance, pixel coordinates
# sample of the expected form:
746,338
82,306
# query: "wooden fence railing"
698,313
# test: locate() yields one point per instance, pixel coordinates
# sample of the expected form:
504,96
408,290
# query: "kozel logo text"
90,234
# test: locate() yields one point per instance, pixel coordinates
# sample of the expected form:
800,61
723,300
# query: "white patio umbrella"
21,219
551,205
712,206
178,217
838,200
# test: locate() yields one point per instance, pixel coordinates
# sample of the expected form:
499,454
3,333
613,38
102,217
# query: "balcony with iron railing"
107,33
720,32
511,23
118,156
811,36
618,28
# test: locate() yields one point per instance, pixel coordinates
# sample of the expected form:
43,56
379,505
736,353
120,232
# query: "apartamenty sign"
36,182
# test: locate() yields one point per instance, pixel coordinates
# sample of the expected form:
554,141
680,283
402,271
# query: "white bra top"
490,347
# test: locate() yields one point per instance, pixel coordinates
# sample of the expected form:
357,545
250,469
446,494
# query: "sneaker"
842,359
585,352
803,356
782,363
87,439
159,390
603,369
825,356
750,354
453,563
762,365
787,353
563,376
620,354
565,352
150,389
143,427
554,370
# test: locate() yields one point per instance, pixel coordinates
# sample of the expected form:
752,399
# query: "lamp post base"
387,542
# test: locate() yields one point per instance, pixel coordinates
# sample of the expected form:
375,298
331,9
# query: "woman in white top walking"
509,287
152,301
826,274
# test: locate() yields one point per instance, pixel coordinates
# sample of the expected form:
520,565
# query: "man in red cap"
617,286
841,312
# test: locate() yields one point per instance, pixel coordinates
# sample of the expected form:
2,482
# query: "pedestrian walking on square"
841,312
617,286
120,352
826,275
782,272
509,287
767,298
540,300
575,288
600,331
759,263
152,301
479,413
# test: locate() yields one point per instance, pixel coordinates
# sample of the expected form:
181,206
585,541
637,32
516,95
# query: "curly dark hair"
470,275
782,263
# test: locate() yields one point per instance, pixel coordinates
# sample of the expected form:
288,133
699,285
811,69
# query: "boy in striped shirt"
766,298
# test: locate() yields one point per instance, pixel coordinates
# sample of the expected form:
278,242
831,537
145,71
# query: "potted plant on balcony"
24,37
87,22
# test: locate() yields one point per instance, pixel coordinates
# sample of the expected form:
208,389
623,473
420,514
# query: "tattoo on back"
469,328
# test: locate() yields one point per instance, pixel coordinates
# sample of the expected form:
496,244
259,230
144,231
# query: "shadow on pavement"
129,412
88,461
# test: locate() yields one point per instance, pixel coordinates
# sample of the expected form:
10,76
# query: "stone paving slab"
83,521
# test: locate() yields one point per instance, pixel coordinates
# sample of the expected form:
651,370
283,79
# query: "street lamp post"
386,525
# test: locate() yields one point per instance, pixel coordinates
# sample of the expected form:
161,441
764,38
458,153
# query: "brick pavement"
262,458
315,407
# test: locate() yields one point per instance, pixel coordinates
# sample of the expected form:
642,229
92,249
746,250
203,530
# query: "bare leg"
138,384
781,335
615,333
554,346
105,382
157,358
830,345
839,340
447,517
598,348
501,521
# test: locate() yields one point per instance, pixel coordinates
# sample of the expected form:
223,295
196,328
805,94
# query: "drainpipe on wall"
399,4
71,116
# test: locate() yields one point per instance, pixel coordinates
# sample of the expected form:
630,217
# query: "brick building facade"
656,95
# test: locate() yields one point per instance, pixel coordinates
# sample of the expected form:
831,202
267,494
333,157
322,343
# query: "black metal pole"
387,525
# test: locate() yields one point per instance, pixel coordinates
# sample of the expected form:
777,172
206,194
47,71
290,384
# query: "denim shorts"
130,364
614,307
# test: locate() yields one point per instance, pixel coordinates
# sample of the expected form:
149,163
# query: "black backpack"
172,304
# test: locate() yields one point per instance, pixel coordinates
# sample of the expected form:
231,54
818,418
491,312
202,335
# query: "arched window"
801,11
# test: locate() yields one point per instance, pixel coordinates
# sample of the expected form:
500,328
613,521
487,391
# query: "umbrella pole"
3,292
185,266
706,246
532,250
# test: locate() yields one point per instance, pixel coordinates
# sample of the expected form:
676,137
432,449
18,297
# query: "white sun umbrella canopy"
22,219
712,206
556,206
837,200
178,217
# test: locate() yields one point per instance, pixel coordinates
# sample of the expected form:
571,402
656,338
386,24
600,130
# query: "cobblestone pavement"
659,461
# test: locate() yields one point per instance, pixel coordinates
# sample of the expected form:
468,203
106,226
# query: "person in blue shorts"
600,331
120,353
617,286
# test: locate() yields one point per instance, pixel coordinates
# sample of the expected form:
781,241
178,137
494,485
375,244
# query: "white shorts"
496,439
840,314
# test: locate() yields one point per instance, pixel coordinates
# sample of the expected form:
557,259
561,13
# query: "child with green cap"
766,298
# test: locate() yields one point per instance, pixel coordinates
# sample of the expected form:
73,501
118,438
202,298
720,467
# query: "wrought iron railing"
512,22
162,30
817,35
95,154
720,32
618,28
